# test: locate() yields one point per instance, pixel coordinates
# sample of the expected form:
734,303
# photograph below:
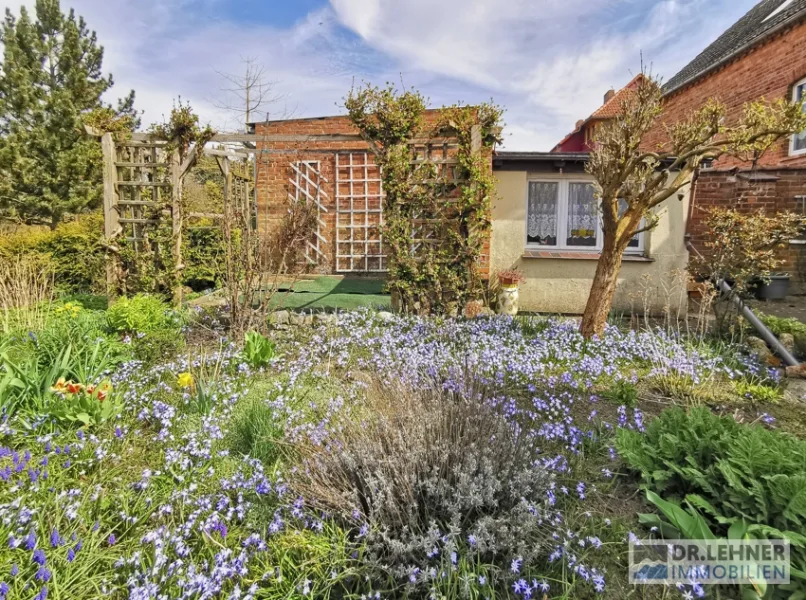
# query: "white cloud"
548,61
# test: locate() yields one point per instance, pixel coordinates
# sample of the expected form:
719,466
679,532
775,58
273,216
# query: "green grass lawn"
332,293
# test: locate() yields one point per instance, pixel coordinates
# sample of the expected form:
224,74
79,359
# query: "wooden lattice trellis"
305,185
359,214
140,175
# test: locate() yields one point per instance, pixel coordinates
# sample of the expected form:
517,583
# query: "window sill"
576,255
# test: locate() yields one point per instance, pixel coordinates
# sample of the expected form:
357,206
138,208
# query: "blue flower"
515,567
55,539
39,556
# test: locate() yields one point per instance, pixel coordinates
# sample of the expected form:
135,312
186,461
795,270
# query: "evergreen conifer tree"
51,81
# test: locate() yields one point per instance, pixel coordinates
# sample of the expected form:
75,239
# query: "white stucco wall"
562,285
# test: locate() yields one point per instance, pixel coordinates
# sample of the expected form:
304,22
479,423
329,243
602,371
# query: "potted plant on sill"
509,280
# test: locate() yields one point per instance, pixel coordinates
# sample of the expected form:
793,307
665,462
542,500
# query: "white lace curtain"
541,226
583,215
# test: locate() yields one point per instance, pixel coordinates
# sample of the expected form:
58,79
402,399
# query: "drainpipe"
748,314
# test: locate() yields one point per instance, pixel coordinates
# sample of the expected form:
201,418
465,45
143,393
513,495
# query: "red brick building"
339,175
581,138
763,55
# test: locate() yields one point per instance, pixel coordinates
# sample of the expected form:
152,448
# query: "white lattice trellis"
306,186
359,214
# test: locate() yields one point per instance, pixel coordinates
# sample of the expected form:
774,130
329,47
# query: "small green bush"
139,314
153,346
743,471
73,250
779,325
622,393
94,351
203,251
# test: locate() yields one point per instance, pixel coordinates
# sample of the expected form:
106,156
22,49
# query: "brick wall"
769,71
767,189
274,186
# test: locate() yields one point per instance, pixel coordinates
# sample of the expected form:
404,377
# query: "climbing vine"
149,264
436,212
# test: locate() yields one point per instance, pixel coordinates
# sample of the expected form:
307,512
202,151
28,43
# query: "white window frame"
562,219
792,150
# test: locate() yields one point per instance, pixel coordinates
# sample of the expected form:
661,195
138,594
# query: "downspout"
748,314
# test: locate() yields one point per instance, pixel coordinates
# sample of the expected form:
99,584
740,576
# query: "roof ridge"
761,21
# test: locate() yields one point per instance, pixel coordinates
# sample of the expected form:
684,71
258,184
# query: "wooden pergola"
143,179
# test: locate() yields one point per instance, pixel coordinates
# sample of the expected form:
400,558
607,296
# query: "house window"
798,145
564,215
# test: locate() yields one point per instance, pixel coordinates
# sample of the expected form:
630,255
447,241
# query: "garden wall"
350,233
768,189
561,285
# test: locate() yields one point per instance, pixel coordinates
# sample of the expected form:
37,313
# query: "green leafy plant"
154,346
747,471
622,393
140,313
258,350
689,523
256,431
89,405
26,384
94,351
740,471
757,392
779,325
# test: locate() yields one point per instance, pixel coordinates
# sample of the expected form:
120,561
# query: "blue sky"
548,62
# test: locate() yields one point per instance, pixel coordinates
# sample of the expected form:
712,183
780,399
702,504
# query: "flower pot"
508,300
508,281
775,287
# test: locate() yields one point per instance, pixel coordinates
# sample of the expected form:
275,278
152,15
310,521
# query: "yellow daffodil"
185,380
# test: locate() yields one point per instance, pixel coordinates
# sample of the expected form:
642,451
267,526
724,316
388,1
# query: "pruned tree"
631,180
51,82
248,92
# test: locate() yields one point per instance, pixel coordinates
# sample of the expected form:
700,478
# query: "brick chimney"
608,95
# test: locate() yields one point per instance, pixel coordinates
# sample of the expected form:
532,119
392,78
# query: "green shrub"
622,393
153,346
779,325
25,384
139,314
94,351
742,471
73,251
203,252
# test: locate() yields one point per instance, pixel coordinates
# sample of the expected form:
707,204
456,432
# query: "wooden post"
111,215
176,220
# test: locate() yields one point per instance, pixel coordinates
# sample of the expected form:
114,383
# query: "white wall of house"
653,279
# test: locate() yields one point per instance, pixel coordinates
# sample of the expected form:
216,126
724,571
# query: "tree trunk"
603,289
